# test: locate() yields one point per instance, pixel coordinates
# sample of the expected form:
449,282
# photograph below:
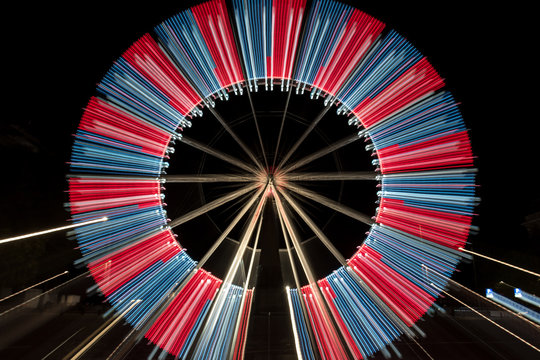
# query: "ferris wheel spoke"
257,128
304,263
246,284
229,228
320,153
316,230
332,204
289,251
236,138
329,176
248,232
212,205
304,136
281,127
316,291
208,178
218,154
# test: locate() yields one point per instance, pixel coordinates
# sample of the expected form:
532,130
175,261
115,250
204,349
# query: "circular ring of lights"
375,77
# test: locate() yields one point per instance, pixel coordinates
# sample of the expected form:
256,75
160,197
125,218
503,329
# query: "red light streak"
103,118
407,300
114,270
172,327
443,228
286,22
328,342
149,60
91,194
359,34
213,21
419,80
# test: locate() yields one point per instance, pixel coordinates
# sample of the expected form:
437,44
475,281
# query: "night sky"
56,56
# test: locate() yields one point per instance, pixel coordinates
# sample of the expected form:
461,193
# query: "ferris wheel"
201,110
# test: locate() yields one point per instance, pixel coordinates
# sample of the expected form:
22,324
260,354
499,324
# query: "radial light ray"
44,293
454,283
316,230
326,334
303,137
212,205
218,331
332,204
237,139
219,154
320,153
329,176
281,129
241,323
102,333
208,178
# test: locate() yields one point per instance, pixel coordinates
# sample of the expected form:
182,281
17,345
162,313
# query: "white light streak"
104,331
293,322
500,262
46,292
33,286
67,227
486,318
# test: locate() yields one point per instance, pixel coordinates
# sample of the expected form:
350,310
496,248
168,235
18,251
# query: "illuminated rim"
376,78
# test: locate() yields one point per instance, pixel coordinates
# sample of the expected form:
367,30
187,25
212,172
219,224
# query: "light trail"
491,302
329,176
118,348
246,284
320,153
218,154
245,239
304,136
222,303
296,278
421,347
257,128
229,228
390,314
500,262
332,204
488,319
43,293
293,323
62,343
43,232
296,243
212,205
525,296
281,127
163,307
318,232
208,178
514,306
236,138
289,251
33,286
104,331
318,309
